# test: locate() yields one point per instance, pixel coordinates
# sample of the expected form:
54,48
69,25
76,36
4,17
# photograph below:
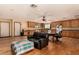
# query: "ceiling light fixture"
33,5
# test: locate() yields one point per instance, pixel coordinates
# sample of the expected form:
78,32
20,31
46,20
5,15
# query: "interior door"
17,29
4,29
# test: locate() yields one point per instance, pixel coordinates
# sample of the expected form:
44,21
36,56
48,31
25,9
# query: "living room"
19,22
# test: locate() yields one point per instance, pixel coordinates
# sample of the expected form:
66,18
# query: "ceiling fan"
43,18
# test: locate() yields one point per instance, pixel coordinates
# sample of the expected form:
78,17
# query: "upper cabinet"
75,23
31,24
66,24
54,24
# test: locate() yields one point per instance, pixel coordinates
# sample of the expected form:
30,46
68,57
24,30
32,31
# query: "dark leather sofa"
40,39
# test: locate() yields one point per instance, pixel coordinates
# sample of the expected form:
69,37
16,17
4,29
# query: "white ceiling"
51,11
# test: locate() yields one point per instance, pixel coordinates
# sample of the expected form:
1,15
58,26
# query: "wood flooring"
68,46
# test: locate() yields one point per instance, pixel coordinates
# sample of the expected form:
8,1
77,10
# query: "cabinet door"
75,23
66,24
54,24
4,29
